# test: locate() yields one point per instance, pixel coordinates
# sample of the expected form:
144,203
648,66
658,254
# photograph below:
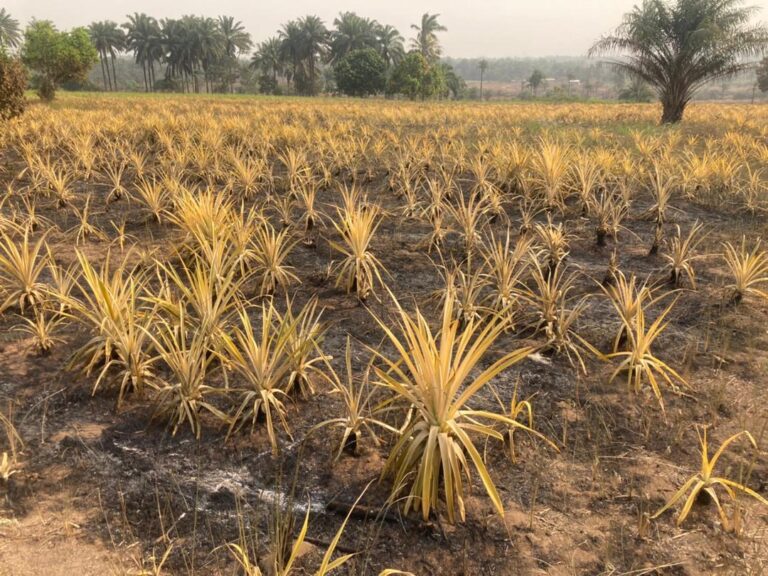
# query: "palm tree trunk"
144,71
673,103
109,73
114,73
311,73
673,113
103,73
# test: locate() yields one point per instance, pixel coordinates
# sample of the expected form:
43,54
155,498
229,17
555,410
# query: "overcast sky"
491,28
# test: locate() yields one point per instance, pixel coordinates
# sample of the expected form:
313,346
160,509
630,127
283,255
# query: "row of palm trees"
198,52
202,53
108,39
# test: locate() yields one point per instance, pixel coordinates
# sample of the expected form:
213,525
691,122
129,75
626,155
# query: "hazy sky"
491,28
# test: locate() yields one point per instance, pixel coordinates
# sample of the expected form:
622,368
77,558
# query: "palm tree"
677,47
267,58
535,80
143,38
314,44
117,44
426,40
390,43
209,45
483,65
98,35
108,39
352,32
10,33
181,50
236,41
291,38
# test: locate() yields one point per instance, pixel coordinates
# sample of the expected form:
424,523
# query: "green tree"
56,56
535,80
762,75
678,46
426,41
415,78
453,84
13,82
361,73
10,33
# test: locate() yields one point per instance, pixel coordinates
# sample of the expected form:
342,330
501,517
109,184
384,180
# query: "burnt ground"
101,492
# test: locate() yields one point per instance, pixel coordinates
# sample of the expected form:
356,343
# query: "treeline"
596,80
357,56
188,54
353,55
520,69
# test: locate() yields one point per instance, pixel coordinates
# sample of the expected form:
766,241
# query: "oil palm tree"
291,38
483,65
117,45
236,39
426,40
10,33
98,34
209,45
352,32
314,45
179,50
109,40
391,45
236,42
678,46
267,58
143,38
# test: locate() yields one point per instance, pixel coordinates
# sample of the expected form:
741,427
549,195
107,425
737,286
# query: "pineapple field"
279,336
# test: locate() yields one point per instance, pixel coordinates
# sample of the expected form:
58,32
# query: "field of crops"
279,336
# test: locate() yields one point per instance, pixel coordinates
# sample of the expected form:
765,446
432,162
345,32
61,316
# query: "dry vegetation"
290,337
